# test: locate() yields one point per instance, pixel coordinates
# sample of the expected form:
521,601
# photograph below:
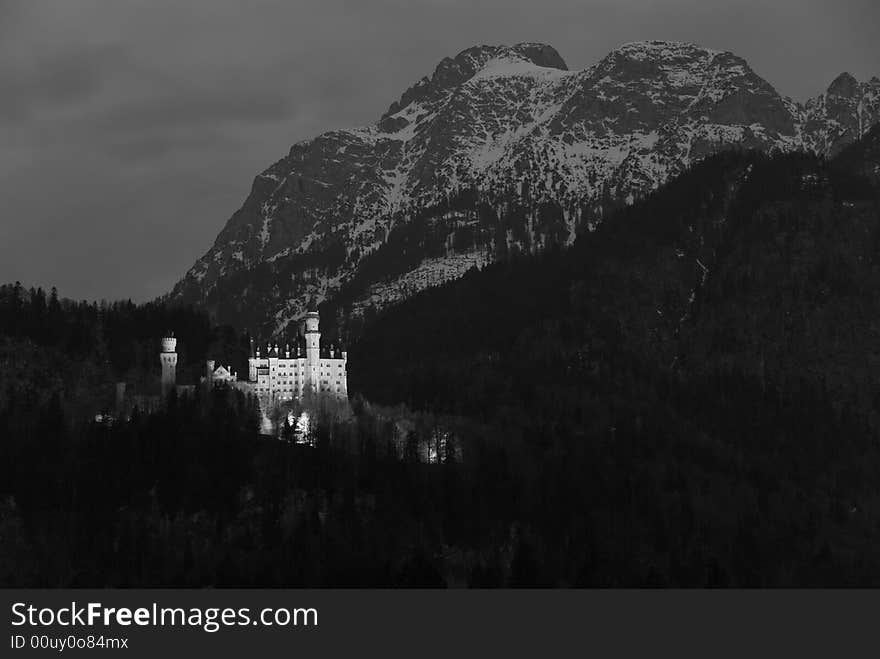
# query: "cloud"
188,106
32,84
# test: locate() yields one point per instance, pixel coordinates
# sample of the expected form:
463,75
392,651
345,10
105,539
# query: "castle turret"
209,373
252,362
313,350
168,357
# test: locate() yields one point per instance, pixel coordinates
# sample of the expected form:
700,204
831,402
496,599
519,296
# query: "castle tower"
252,362
209,373
168,357
313,350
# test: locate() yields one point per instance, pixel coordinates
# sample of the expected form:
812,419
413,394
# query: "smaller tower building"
168,357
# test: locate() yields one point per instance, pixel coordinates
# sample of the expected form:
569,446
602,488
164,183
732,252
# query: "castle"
278,375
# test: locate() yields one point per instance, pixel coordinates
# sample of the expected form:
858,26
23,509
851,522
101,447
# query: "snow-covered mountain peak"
662,50
686,69
844,85
541,54
502,149
452,72
516,65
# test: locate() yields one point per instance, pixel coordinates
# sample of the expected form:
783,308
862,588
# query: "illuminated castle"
276,375
288,374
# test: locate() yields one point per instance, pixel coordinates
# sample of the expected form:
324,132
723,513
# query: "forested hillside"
685,398
85,346
692,386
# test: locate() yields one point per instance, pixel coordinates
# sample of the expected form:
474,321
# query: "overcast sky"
131,130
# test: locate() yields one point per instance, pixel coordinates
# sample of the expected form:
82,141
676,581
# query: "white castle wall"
278,376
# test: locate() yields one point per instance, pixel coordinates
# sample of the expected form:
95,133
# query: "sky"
131,130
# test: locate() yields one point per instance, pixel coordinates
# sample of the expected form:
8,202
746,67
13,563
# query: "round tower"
168,357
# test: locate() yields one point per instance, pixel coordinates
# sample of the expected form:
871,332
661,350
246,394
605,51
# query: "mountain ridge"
515,132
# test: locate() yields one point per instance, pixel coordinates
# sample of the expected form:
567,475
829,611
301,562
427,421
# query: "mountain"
502,150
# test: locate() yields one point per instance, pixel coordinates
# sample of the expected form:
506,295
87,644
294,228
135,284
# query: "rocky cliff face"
502,149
